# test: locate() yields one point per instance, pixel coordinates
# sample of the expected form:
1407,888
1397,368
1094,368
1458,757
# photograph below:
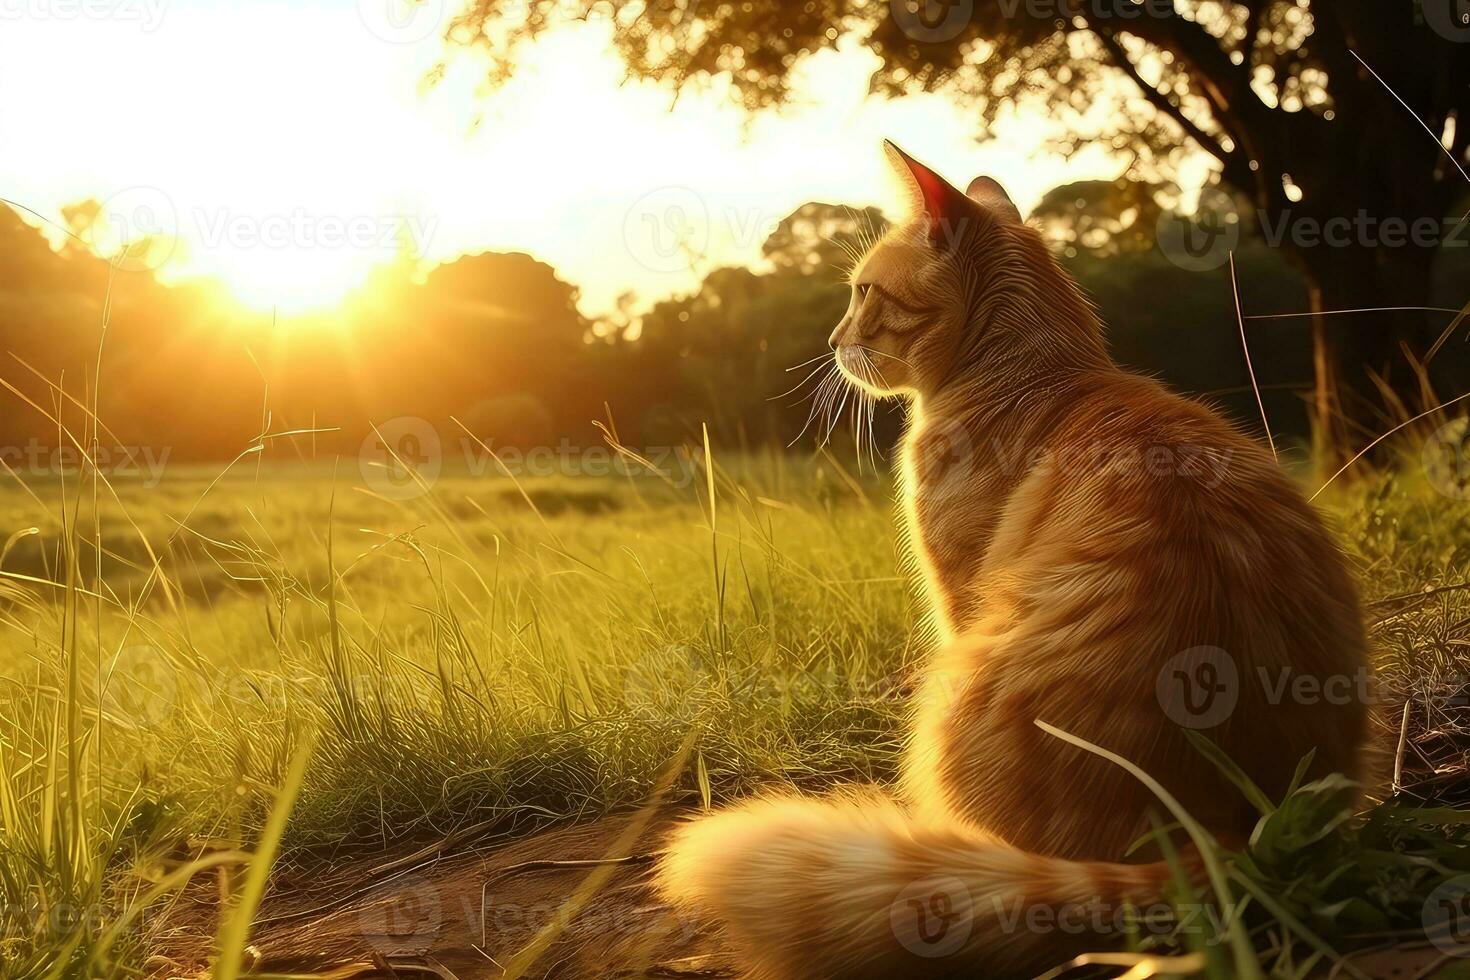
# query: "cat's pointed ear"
945,207
987,192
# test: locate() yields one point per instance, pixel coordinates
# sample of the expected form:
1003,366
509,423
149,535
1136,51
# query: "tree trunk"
1366,364
1328,439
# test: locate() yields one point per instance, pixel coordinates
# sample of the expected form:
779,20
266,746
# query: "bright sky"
290,146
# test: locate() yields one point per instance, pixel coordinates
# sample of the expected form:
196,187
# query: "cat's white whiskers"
802,383
859,411
822,356
832,409
892,357
818,396
834,417
870,403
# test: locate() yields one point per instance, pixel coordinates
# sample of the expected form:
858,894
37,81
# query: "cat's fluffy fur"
1080,530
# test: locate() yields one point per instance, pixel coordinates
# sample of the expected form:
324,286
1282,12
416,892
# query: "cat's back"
1156,553
1147,498
1177,464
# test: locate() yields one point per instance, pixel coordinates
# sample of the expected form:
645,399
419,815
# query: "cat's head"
925,296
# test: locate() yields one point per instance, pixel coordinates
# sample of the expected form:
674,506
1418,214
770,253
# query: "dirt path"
468,913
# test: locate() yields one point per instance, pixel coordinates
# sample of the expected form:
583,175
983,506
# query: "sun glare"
300,277
297,283
290,190
290,260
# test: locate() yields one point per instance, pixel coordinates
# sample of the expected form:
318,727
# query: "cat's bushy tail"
852,887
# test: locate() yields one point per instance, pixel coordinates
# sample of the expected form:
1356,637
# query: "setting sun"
337,157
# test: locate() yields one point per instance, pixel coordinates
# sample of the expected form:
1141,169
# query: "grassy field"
489,648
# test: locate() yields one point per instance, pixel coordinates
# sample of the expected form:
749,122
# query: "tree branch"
1159,100
1254,12
1225,85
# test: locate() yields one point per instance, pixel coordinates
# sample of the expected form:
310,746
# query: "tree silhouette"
1273,90
1103,217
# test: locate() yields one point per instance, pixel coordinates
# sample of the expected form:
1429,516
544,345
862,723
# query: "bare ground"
466,910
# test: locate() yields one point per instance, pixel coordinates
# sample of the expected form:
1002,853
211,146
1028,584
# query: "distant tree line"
495,344
1310,112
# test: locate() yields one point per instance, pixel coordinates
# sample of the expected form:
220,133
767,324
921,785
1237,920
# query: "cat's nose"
836,337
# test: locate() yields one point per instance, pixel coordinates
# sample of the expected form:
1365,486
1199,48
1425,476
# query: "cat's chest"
954,496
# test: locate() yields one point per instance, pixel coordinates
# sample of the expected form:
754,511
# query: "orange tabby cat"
1104,556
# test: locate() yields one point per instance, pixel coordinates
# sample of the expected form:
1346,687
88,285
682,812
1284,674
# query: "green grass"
492,651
